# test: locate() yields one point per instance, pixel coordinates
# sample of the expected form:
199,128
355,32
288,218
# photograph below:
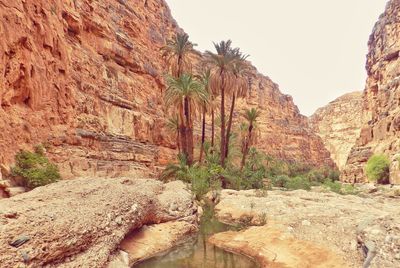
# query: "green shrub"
298,183
316,176
35,169
333,186
377,169
280,180
349,189
334,175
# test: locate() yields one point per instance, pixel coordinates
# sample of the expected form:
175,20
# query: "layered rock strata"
85,78
339,125
381,99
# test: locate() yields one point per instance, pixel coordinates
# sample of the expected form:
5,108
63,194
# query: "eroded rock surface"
80,223
352,227
86,79
381,98
154,240
339,125
274,248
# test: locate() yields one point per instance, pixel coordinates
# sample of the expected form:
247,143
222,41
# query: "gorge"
86,81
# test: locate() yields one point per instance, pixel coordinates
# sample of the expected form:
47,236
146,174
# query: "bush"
377,169
333,186
280,180
35,169
298,183
339,188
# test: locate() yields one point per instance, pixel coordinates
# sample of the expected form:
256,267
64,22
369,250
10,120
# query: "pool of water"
197,252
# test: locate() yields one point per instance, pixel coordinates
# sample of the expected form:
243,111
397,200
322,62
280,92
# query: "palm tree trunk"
212,128
189,132
182,131
178,143
203,134
246,147
228,132
222,148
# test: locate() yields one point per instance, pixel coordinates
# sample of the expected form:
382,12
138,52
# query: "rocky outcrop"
381,98
155,240
81,223
276,248
281,130
355,229
85,78
339,125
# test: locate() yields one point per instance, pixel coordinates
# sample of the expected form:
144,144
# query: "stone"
339,125
13,191
275,248
340,223
90,86
154,240
380,130
73,222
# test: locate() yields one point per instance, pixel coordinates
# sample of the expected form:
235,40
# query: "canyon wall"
339,125
381,99
85,78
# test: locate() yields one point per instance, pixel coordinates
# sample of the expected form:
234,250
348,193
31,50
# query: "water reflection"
198,252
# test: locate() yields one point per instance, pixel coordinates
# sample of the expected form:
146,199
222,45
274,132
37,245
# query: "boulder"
81,223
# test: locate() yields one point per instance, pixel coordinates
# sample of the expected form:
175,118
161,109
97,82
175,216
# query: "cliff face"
85,78
282,131
381,98
339,125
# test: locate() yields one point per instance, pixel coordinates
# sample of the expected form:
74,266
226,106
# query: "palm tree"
178,171
222,80
176,52
241,86
186,94
173,126
204,79
251,116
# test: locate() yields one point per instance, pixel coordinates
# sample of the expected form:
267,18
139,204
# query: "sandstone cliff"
339,125
86,78
381,98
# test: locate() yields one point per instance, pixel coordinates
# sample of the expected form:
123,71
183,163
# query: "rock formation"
339,125
381,98
85,78
81,223
350,227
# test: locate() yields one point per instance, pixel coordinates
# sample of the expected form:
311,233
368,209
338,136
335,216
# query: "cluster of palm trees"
224,77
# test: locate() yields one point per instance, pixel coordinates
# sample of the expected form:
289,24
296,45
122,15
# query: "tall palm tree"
173,126
186,94
241,86
176,53
204,79
251,116
222,80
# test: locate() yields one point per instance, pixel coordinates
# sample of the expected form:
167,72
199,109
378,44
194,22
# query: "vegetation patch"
34,169
377,169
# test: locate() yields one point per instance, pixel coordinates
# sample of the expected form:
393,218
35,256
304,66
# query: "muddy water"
199,253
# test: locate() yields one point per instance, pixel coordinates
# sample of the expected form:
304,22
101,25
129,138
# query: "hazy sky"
314,49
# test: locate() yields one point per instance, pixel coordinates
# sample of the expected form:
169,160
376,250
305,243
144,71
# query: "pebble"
306,223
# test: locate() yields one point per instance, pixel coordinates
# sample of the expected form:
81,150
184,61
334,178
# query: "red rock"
87,79
381,97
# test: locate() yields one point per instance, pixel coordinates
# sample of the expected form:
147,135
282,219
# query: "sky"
314,49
